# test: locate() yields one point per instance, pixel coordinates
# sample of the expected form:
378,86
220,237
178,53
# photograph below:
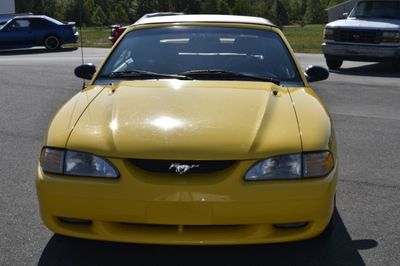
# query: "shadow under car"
339,249
370,70
5,52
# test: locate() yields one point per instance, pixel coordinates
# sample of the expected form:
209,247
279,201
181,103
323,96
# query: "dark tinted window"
38,23
377,9
178,49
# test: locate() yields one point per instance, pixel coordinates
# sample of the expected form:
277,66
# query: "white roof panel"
205,18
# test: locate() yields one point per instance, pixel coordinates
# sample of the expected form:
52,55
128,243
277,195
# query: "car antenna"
81,37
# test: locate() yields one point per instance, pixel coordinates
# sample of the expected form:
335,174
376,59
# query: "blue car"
34,30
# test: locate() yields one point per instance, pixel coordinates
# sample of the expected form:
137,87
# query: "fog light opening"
291,225
74,220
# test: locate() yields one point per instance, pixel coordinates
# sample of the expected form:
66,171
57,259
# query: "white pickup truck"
371,32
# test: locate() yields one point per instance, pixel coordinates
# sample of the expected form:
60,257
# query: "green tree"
294,11
194,7
87,9
164,5
223,7
23,5
98,17
59,12
335,2
279,13
144,7
121,15
210,6
242,7
72,11
215,7
315,12
127,11
261,9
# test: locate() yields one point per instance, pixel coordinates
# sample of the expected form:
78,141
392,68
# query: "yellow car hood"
188,120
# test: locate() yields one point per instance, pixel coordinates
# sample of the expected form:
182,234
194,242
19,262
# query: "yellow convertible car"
196,129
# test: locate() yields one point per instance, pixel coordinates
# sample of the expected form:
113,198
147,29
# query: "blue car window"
21,24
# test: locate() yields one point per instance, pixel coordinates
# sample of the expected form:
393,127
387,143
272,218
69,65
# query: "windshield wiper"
141,74
220,73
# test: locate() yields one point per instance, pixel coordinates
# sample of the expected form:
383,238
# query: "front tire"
334,63
52,43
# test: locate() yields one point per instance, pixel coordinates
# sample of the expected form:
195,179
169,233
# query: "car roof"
205,18
31,16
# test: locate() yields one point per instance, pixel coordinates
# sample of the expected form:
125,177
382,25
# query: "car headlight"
293,166
76,163
391,36
328,34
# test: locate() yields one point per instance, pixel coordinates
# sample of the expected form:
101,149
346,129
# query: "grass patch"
94,37
307,39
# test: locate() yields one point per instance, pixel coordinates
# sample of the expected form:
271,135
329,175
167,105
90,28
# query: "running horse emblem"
181,169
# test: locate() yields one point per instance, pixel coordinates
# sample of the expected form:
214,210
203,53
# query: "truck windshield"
377,9
202,53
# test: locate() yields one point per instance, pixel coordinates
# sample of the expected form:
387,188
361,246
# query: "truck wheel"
52,42
334,64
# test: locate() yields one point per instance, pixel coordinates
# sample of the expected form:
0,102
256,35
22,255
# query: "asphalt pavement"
363,99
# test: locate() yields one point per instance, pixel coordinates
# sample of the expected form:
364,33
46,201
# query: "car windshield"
3,24
202,53
377,9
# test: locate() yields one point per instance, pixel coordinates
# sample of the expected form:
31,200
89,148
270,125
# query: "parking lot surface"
363,99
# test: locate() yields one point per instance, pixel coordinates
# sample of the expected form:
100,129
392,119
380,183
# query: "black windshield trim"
224,74
140,74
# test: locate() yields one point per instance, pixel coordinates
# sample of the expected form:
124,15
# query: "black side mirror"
85,71
316,73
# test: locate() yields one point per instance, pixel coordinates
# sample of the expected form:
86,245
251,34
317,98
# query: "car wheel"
52,42
334,64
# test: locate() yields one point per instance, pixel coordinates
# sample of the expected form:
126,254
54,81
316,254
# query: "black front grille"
357,36
181,167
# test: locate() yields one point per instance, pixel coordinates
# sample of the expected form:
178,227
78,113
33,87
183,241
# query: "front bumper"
71,38
195,209
361,52
76,37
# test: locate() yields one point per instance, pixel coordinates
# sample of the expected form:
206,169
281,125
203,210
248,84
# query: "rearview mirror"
345,14
85,71
316,73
